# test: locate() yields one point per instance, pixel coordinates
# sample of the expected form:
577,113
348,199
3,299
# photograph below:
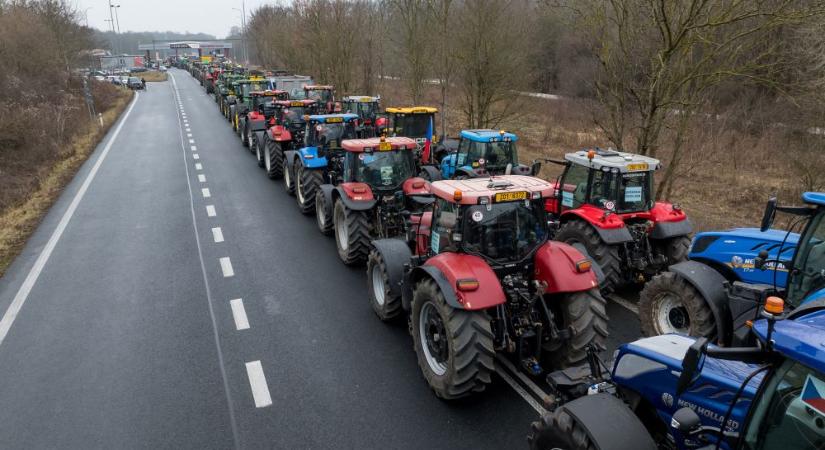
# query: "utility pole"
243,34
113,20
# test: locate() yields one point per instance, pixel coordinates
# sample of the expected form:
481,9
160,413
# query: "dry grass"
152,76
17,223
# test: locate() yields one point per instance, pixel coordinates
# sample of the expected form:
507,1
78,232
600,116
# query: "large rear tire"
675,249
289,184
323,218
454,347
669,304
273,159
306,183
606,256
585,315
244,135
386,306
558,430
352,234
259,152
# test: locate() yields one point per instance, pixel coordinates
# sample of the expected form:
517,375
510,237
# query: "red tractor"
605,206
286,125
254,119
365,198
478,275
325,96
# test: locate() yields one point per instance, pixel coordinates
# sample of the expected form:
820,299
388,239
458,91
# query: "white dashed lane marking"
210,210
217,234
239,314
202,178
257,381
191,141
194,148
206,193
226,267
196,156
198,166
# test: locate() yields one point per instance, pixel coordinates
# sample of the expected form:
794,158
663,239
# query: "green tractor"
243,98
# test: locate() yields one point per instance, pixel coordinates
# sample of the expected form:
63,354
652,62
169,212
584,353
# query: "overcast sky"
205,16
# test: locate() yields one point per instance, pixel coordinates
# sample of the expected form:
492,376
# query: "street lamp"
113,18
243,31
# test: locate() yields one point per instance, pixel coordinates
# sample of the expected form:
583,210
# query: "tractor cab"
382,163
324,95
482,153
417,122
261,99
327,131
248,86
607,179
367,109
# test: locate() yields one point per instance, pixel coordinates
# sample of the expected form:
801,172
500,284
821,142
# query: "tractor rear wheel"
606,256
306,183
675,249
273,159
352,235
244,135
322,218
558,430
454,347
584,314
669,304
386,305
259,152
289,185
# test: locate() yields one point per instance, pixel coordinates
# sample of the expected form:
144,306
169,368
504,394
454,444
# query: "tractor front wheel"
584,314
273,159
606,256
558,430
454,347
352,236
289,185
322,218
669,304
386,305
259,152
244,134
307,182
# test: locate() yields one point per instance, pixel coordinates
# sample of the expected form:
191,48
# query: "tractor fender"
452,267
431,173
311,159
259,136
328,191
711,284
415,186
664,230
465,171
597,269
609,423
555,264
257,124
290,156
280,133
396,254
355,201
611,229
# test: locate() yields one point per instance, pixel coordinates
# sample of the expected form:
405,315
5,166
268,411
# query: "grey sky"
206,16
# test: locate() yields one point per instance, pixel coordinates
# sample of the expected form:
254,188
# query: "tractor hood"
800,339
737,249
651,367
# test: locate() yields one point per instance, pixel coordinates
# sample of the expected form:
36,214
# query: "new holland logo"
667,399
813,394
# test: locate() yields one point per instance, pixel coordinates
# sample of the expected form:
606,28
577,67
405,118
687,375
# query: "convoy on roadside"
484,260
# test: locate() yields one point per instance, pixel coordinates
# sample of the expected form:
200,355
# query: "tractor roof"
360,99
302,102
474,188
624,162
318,87
800,339
814,198
331,118
372,144
413,110
488,135
267,93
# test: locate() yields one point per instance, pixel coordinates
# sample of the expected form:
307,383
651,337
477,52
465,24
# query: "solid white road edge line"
257,381
210,210
217,234
239,314
226,267
34,273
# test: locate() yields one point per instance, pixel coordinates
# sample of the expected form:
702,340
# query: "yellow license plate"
334,120
635,167
296,104
510,196
384,146
366,99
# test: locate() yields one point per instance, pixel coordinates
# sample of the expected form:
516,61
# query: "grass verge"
19,222
152,76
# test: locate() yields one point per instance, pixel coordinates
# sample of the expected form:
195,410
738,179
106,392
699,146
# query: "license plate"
510,196
366,99
384,146
334,120
296,104
636,167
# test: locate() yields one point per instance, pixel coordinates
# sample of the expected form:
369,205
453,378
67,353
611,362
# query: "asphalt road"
174,297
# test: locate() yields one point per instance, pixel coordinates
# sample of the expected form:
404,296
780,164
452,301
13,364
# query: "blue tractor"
305,169
478,153
729,274
679,392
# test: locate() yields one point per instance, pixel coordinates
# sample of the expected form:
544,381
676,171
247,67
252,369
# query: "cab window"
809,273
574,187
445,221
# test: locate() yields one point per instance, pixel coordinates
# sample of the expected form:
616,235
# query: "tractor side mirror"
692,364
685,420
535,168
761,258
768,216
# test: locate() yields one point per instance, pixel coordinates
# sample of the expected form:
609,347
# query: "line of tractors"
484,260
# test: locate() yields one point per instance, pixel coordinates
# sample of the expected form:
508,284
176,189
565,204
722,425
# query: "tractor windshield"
248,88
384,170
411,125
321,95
366,110
808,275
635,192
504,232
331,134
496,155
293,116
